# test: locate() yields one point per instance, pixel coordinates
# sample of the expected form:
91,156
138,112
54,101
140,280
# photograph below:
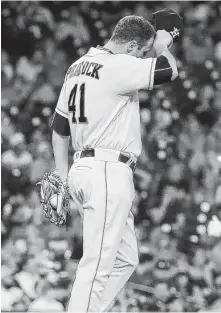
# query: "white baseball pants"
104,192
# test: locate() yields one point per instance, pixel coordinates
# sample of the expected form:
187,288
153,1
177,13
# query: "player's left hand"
55,199
170,21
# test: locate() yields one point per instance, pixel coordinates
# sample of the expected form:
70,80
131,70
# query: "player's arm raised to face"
131,73
61,136
135,73
166,68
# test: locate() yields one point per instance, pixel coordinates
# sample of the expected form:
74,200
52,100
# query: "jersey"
100,99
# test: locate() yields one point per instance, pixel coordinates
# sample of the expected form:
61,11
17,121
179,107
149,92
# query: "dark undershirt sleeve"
163,71
60,124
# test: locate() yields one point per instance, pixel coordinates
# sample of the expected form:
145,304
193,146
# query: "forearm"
60,148
166,68
172,61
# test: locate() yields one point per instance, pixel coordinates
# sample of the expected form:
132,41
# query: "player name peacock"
84,68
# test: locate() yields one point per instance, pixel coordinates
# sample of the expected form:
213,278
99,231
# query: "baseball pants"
104,192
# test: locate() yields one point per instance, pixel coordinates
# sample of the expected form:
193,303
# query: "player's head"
136,34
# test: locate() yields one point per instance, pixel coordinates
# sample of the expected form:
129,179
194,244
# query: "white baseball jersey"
100,99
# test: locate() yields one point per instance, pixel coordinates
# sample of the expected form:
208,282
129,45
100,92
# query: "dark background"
177,207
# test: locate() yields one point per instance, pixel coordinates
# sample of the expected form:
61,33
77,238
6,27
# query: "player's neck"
115,48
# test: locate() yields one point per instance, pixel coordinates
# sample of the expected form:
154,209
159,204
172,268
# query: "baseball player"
98,109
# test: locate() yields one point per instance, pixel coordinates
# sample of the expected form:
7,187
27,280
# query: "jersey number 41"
72,105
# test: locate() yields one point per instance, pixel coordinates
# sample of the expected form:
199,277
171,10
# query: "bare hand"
163,40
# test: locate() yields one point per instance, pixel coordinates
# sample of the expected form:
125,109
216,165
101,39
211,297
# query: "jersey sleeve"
133,73
60,122
62,106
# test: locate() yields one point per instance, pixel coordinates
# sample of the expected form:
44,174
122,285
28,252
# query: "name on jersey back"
84,68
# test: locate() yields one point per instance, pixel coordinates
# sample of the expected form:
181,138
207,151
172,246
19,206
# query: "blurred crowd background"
178,182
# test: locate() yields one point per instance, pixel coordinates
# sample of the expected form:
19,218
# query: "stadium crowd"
178,181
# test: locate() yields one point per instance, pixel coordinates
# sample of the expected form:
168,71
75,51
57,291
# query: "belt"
122,158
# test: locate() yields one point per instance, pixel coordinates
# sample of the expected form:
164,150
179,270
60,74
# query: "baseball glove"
170,21
55,199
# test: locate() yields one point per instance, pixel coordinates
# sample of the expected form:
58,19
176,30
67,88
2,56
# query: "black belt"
122,158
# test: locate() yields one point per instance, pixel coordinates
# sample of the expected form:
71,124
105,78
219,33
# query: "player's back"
101,103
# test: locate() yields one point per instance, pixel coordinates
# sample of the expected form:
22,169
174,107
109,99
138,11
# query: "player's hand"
162,41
